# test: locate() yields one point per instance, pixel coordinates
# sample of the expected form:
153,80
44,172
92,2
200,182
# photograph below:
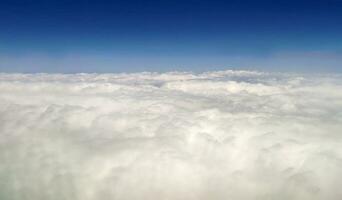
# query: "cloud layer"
181,136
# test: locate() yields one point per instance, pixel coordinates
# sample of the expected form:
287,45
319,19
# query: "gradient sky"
131,35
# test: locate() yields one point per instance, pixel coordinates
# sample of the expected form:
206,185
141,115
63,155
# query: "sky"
128,36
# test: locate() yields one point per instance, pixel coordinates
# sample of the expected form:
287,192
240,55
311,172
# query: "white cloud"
217,135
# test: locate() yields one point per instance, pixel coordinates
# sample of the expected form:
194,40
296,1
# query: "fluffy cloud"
181,136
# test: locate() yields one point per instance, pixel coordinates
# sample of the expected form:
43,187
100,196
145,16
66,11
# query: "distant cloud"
75,62
182,136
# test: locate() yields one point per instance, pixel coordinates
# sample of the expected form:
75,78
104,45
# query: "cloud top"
182,136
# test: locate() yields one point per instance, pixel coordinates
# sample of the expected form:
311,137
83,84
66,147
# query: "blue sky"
127,36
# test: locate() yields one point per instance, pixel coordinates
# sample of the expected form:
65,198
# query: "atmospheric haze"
221,135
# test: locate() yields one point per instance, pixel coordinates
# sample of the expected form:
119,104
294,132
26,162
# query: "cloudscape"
215,135
170,99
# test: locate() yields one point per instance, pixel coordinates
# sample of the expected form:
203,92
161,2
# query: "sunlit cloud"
178,135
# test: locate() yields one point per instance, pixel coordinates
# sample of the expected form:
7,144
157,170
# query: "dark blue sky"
132,35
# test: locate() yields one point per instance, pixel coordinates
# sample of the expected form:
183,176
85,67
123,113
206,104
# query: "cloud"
178,135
